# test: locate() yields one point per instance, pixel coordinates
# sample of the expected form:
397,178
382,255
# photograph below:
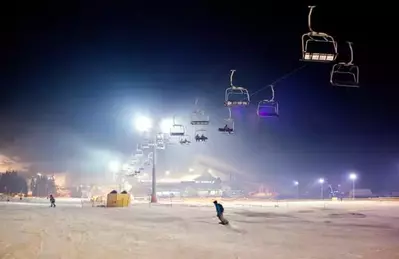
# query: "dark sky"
76,73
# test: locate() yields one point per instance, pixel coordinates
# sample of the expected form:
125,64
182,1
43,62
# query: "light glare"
353,176
114,166
143,123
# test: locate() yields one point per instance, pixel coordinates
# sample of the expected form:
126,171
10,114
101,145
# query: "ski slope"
295,230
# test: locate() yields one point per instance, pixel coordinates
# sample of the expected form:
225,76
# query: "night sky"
75,74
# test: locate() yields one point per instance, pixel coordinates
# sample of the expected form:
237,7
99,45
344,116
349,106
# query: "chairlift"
236,95
268,107
185,140
228,128
139,152
318,46
177,129
345,73
134,161
160,145
200,135
132,174
159,136
199,118
145,144
125,167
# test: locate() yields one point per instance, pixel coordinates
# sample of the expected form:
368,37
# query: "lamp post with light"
296,183
321,181
353,177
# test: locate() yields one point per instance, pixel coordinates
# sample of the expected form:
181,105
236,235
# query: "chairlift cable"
292,72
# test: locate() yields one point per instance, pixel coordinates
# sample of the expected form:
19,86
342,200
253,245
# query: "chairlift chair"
177,130
139,152
236,95
159,136
160,145
145,145
267,108
166,138
345,73
318,46
198,118
228,128
185,140
134,161
200,135
125,167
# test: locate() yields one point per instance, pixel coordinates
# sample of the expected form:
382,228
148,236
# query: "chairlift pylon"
318,46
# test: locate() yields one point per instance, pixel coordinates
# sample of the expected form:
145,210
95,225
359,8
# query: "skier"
52,201
220,211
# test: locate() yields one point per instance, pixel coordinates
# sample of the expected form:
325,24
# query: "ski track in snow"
298,230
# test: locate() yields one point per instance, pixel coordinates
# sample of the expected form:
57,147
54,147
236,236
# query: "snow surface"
291,230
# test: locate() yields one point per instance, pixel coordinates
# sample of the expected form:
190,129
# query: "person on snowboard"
220,211
52,201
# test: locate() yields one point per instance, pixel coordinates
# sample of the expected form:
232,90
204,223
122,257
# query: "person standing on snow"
52,201
219,213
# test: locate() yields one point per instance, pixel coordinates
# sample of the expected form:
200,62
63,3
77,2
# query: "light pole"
154,174
115,168
296,183
321,181
353,177
145,124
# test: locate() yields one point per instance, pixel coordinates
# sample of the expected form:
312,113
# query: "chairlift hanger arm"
351,50
311,7
231,78
272,89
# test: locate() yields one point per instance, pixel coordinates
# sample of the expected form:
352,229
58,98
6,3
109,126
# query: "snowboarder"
52,201
220,211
